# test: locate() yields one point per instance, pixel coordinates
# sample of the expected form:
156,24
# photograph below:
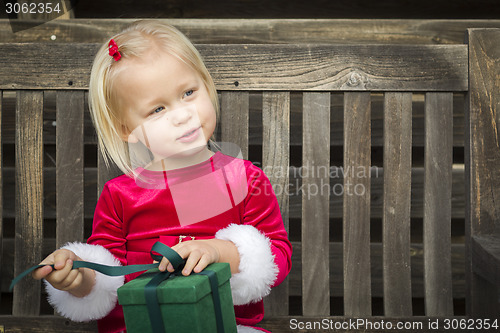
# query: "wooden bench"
374,161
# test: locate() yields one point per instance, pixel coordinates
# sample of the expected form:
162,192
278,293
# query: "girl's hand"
78,282
201,253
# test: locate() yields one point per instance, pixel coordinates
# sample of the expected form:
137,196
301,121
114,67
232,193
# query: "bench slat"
315,204
263,67
356,224
69,166
259,31
438,161
276,156
45,324
275,143
29,198
397,203
234,119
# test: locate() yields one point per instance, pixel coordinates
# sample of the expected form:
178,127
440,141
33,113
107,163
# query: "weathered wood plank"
262,67
276,154
260,31
437,203
482,154
397,204
234,115
29,199
69,167
44,324
315,207
356,223
275,142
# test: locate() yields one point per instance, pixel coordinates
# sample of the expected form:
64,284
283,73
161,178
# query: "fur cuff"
257,269
247,329
101,300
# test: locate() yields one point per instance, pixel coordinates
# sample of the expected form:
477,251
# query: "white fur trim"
247,329
257,269
101,300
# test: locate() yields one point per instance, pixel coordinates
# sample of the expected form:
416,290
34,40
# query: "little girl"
150,90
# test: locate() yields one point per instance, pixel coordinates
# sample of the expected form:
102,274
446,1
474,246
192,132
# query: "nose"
181,115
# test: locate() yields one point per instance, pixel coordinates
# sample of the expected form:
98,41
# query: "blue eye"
188,93
158,110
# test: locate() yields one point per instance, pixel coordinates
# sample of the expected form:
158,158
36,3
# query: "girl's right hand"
78,282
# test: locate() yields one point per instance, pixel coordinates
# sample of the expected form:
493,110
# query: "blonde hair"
134,41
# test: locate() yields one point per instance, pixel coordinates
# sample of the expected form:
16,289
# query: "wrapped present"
163,302
185,303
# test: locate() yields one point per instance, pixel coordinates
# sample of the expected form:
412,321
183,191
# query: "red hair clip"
113,50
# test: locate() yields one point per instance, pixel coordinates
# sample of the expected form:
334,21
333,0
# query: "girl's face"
167,107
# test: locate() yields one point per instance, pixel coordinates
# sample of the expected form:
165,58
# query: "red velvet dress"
131,215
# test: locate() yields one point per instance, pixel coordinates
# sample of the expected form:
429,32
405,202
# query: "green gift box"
186,302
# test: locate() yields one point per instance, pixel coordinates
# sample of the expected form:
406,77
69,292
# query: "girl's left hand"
201,253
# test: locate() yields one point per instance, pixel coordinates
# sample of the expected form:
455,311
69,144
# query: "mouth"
190,134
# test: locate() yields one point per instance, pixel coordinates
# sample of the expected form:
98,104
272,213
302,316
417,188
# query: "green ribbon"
150,290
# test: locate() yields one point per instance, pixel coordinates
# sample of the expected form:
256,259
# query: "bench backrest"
286,103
